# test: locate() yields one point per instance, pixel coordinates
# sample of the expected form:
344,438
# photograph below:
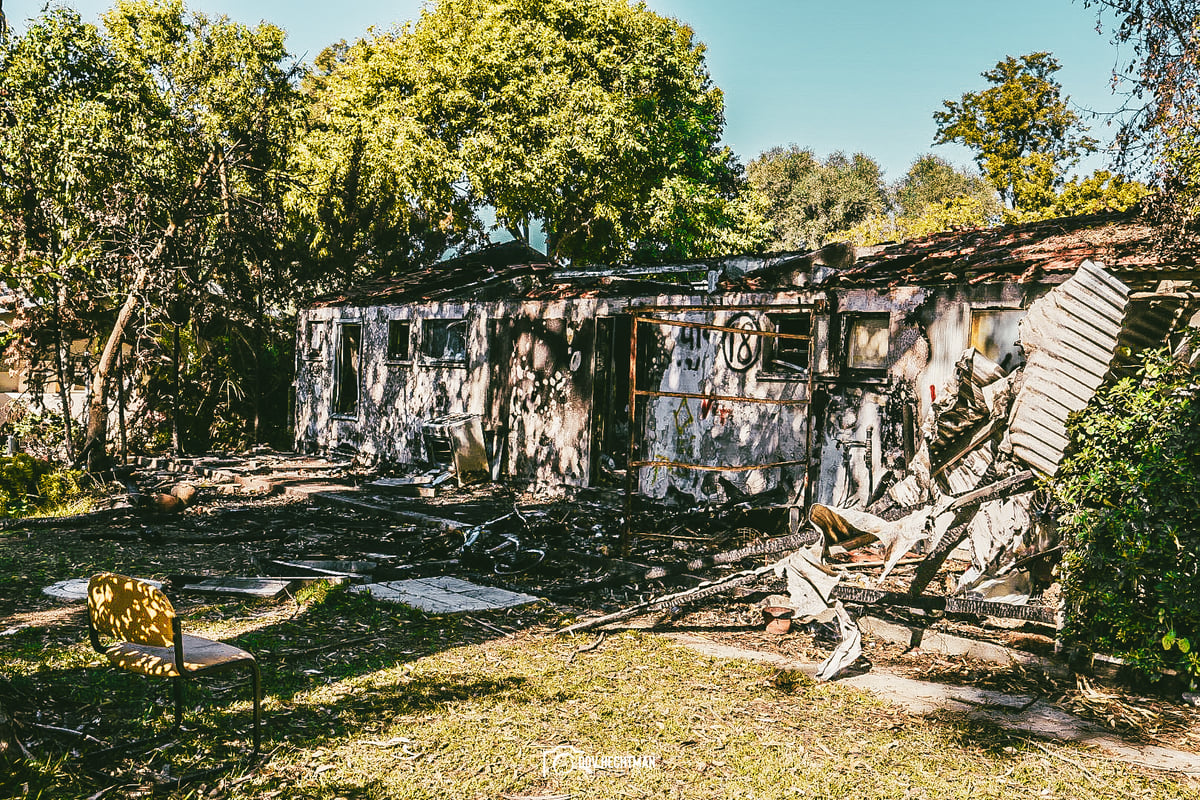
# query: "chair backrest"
131,610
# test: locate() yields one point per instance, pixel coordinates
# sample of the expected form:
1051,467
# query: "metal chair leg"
257,704
177,685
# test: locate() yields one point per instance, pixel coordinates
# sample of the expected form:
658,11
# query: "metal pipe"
681,323
633,435
766,308
721,398
713,467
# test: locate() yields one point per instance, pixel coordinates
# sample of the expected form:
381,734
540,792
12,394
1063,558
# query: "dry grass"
371,701
367,700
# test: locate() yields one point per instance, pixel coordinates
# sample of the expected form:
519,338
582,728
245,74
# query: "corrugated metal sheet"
1148,323
1070,338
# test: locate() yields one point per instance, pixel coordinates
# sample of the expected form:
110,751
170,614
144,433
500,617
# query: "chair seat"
199,655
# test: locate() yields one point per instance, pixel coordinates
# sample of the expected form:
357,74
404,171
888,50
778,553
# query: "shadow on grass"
338,637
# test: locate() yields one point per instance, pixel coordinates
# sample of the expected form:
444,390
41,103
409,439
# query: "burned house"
820,372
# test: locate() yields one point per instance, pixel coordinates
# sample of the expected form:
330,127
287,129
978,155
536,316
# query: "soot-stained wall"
854,400
746,432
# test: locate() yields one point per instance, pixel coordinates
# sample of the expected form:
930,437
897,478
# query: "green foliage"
1100,191
806,199
596,119
19,477
932,180
933,196
1023,133
1159,74
161,128
61,486
39,433
1131,497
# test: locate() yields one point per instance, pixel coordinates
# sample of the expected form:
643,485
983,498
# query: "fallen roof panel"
1070,338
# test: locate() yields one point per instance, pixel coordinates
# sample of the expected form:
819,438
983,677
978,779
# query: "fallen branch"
489,626
706,589
102,517
587,648
87,737
767,547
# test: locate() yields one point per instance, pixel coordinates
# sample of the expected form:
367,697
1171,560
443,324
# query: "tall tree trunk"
97,425
175,447
258,383
121,406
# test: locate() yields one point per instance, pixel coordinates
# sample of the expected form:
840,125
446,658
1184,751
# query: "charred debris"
816,432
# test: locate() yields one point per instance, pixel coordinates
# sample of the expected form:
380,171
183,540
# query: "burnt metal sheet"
1070,338
951,605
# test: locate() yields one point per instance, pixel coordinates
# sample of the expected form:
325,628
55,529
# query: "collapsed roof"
1045,252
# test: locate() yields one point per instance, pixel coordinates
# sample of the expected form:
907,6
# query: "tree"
1024,135
1099,192
67,174
376,194
934,180
933,196
806,200
595,119
1159,134
149,158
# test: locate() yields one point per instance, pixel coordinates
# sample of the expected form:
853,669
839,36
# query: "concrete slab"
254,587
445,594
74,590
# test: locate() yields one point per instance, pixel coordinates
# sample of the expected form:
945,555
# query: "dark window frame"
848,325
785,350
343,407
314,339
435,335
1013,347
395,354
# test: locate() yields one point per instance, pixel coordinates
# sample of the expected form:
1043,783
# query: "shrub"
60,487
19,475
30,485
1130,492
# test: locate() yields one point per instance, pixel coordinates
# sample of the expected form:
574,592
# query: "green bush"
19,475
29,485
60,486
1130,491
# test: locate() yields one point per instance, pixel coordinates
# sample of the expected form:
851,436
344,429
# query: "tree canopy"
596,120
1161,80
806,199
141,166
1024,134
933,196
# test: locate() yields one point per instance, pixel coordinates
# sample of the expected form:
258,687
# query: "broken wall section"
719,399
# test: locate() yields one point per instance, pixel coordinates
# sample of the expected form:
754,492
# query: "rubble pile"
970,491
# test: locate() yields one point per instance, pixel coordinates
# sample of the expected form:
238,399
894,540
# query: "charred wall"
872,412
845,407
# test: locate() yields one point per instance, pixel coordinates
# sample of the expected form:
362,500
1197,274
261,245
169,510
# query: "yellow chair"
148,639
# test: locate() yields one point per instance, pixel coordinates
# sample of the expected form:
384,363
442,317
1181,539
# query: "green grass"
373,701
370,700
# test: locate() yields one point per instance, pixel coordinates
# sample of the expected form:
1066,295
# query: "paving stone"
74,590
254,587
445,595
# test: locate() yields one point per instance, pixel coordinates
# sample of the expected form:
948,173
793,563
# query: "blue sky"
852,75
